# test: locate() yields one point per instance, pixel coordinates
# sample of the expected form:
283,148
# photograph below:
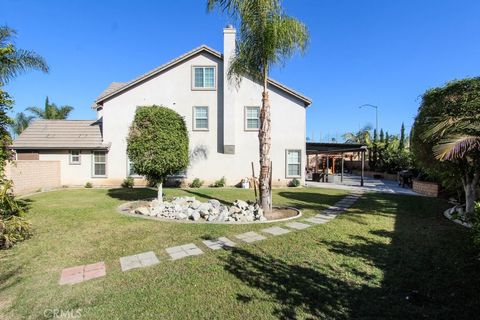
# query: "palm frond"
456,147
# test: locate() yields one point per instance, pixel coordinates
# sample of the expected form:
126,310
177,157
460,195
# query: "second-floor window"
204,78
252,118
200,118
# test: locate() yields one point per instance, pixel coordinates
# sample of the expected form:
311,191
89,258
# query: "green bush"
196,183
294,183
88,185
128,182
220,183
12,230
13,227
476,225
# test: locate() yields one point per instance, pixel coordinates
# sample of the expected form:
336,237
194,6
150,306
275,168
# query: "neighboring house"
222,120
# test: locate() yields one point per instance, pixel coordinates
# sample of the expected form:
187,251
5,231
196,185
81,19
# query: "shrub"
196,183
476,226
12,230
128,182
13,227
88,185
294,183
220,183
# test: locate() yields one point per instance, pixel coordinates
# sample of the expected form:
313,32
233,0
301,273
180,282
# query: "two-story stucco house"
222,120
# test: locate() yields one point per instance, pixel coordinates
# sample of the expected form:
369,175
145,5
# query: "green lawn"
364,264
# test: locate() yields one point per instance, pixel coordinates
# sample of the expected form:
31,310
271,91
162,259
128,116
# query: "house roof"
117,87
61,134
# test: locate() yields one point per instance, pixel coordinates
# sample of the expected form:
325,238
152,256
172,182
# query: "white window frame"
71,155
194,87
287,175
129,164
194,117
94,163
247,118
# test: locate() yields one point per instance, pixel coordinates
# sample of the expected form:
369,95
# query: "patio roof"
329,148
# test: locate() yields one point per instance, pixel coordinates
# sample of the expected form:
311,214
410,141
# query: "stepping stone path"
183,251
220,243
138,261
250,237
276,231
298,225
82,273
91,271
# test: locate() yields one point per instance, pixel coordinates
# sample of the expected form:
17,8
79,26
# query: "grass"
388,257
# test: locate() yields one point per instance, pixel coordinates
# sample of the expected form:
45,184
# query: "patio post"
316,163
326,176
341,176
363,167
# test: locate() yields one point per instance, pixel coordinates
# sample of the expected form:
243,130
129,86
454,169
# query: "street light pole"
376,113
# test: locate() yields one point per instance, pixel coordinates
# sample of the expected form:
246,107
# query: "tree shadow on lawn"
309,200
129,194
428,272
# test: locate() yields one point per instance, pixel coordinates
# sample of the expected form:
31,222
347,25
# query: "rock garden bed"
189,209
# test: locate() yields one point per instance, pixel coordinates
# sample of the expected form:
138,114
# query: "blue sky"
385,53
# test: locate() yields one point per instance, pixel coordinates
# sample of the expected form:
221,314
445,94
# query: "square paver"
220,243
250,237
82,273
140,260
316,220
183,251
276,231
298,225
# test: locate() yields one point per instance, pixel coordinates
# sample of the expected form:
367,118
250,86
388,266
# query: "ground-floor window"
130,169
293,163
75,157
99,163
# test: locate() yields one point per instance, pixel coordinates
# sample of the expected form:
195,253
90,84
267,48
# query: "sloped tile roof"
61,134
118,87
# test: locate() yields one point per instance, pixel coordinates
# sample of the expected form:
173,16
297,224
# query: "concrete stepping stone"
220,243
82,273
325,216
317,220
140,260
250,237
298,225
183,251
276,231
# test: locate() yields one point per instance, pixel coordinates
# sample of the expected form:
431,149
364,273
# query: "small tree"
157,144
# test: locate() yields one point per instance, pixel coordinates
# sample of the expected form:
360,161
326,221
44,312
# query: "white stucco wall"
173,89
75,174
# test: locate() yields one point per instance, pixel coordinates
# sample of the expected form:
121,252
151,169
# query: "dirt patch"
280,213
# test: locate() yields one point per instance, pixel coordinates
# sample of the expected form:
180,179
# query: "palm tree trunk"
470,187
264,138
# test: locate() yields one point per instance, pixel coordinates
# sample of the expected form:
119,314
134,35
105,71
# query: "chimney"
228,92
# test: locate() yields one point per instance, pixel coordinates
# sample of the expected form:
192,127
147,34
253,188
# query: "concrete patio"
352,182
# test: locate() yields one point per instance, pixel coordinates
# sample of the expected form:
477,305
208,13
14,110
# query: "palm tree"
362,136
458,141
20,123
51,111
268,37
14,61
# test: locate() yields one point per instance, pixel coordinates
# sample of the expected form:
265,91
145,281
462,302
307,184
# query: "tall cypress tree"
375,150
401,145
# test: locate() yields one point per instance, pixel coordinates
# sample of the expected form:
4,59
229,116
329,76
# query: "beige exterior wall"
173,89
33,175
